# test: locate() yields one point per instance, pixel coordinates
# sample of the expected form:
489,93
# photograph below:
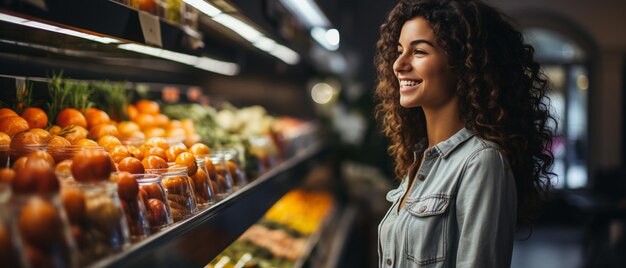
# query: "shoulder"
478,152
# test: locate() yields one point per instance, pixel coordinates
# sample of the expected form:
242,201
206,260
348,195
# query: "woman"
463,103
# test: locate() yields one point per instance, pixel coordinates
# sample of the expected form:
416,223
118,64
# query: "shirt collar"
446,147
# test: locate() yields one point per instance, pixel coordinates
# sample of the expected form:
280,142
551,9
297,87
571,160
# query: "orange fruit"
7,175
161,120
71,117
19,163
108,142
175,124
95,117
4,112
73,201
148,107
211,169
74,133
37,176
42,133
188,126
174,151
199,149
153,162
145,121
41,155
127,186
126,128
118,153
136,152
135,136
55,130
64,167
132,112
155,151
35,117
58,141
154,132
40,225
188,160
101,130
86,143
91,165
157,142
26,137
12,125
175,132
4,139
131,165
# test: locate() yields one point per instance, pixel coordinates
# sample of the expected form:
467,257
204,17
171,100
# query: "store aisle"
549,247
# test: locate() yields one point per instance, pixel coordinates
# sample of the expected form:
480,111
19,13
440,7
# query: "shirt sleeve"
486,211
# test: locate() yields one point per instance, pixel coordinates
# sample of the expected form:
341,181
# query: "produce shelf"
198,239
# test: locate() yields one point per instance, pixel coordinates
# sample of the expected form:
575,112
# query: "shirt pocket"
427,233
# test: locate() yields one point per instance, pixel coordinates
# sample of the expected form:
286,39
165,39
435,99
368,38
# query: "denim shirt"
461,211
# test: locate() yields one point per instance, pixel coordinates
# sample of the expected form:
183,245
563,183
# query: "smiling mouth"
410,83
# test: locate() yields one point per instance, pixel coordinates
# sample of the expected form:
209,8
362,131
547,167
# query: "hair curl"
501,90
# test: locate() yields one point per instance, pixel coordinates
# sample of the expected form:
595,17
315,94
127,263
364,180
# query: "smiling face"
421,68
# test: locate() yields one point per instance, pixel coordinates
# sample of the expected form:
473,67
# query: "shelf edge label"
151,28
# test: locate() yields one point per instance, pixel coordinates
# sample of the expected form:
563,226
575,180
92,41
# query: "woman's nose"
401,64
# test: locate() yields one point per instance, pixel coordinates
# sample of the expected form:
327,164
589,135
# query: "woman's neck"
442,123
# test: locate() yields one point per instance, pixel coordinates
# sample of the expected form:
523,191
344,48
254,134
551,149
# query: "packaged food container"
38,227
179,189
18,150
219,173
4,155
98,221
154,197
137,216
67,152
205,196
235,168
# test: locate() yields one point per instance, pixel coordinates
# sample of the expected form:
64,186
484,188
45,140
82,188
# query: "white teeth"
408,83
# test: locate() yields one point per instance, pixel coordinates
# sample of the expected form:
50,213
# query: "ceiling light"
205,63
285,54
52,28
329,39
245,30
308,12
204,7
265,44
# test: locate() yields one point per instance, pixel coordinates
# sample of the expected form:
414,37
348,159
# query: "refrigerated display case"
107,40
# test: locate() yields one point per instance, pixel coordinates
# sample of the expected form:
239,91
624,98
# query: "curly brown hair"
501,90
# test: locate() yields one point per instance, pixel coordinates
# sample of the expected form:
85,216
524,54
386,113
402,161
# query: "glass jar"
67,152
133,205
179,189
173,10
205,196
18,150
235,168
219,173
155,200
40,228
4,155
190,17
10,241
98,221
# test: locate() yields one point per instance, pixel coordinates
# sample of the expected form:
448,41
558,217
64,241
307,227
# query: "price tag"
151,28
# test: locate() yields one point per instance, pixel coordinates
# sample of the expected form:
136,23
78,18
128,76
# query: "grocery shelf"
198,239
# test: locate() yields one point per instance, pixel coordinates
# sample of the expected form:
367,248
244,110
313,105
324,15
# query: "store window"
565,64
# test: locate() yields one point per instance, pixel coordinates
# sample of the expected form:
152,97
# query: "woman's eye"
418,52
399,52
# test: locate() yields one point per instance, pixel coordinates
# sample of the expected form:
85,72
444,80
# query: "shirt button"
388,261
420,177
422,209
429,153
